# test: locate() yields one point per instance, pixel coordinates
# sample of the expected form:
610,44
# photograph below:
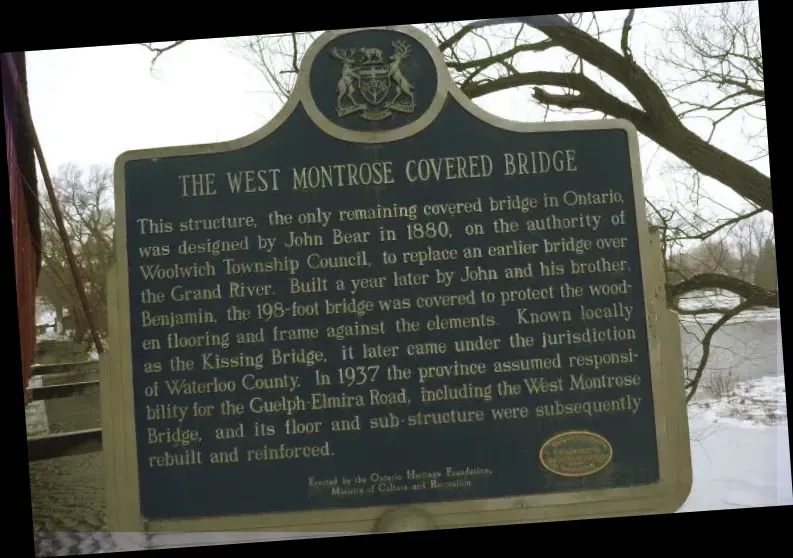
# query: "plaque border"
671,419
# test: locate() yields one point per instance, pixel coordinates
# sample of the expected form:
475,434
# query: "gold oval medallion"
578,453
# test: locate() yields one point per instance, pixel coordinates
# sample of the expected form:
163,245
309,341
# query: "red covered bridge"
24,203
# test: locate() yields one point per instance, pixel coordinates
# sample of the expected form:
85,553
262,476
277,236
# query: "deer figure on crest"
401,52
346,86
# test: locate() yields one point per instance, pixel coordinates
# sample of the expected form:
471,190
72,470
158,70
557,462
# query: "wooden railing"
51,446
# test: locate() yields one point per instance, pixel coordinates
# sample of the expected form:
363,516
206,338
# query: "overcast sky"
92,104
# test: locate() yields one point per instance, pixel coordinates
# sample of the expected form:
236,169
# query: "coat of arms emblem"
380,82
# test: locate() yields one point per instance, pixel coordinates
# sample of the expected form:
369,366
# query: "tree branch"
159,51
626,28
729,222
591,95
501,57
754,295
693,384
660,123
458,36
700,312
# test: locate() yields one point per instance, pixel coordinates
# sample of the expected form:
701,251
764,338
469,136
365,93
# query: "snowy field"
739,429
740,450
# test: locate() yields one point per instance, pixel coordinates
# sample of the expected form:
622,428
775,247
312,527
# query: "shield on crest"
374,83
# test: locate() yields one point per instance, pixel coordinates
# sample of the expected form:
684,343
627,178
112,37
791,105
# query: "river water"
740,352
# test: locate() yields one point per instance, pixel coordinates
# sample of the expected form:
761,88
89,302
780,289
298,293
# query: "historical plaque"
386,297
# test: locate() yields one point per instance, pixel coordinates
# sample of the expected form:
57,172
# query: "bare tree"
750,239
86,204
743,251
711,256
765,274
718,67
260,50
709,70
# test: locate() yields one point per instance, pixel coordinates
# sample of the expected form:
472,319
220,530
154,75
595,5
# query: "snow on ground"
45,313
45,318
740,452
735,466
51,335
749,404
36,419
